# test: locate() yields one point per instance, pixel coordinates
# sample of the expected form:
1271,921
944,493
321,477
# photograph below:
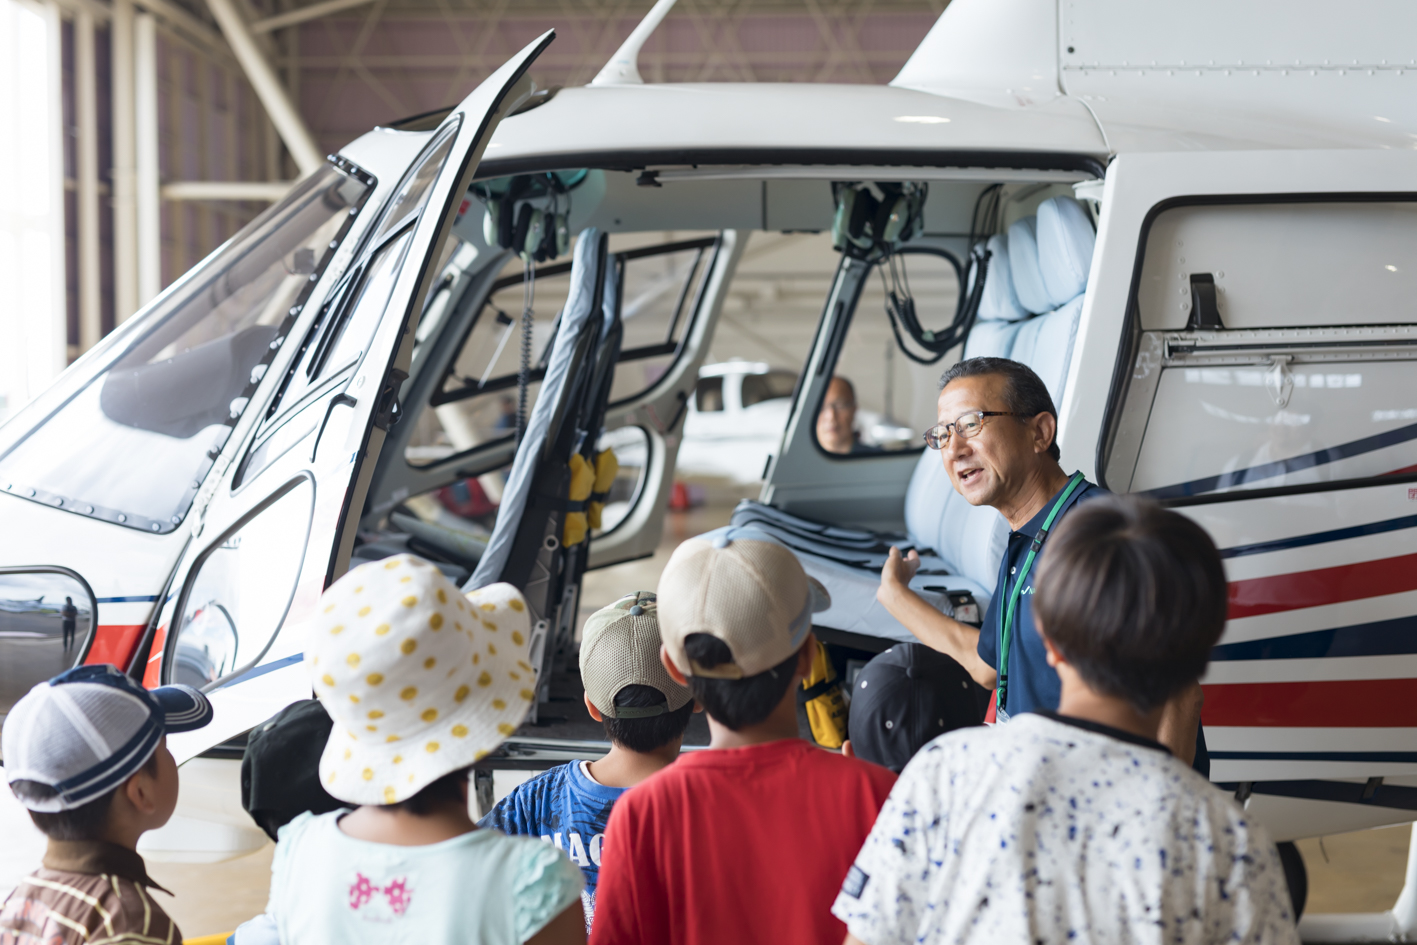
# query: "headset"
529,213
873,218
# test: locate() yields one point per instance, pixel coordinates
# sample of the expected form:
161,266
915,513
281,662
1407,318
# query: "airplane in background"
1197,224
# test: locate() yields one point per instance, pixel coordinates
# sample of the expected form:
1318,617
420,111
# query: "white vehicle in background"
1200,234
738,414
735,420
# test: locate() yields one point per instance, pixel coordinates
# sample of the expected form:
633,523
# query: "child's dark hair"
440,793
647,734
1133,596
736,703
86,822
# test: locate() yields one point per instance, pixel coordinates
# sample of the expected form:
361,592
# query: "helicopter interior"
887,303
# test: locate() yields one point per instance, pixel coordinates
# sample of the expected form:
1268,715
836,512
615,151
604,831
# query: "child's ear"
594,712
1053,656
670,668
141,791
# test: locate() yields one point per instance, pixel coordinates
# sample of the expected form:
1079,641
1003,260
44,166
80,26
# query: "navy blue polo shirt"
1033,684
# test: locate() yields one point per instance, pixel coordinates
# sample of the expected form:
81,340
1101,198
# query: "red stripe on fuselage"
1279,592
113,643
1346,703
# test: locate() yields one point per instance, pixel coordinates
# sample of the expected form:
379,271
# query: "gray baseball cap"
619,648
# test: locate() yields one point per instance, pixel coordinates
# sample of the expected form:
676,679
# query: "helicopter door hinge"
387,410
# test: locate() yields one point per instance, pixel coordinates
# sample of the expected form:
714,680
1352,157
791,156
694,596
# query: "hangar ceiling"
397,57
185,117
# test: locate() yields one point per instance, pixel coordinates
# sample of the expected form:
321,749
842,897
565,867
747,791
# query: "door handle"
338,400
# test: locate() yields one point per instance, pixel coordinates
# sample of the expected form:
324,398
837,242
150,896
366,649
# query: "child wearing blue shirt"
644,713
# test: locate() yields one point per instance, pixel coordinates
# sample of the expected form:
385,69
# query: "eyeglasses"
966,425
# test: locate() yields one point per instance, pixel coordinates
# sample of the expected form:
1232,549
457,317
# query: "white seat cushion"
992,339
1065,241
1023,266
1045,343
999,302
855,608
848,563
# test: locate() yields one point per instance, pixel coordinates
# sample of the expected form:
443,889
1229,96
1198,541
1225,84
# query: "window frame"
708,246
70,573
640,483
189,582
1129,345
837,344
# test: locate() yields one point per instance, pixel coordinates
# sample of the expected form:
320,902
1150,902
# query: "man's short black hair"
736,703
1024,391
85,822
1133,596
647,734
440,793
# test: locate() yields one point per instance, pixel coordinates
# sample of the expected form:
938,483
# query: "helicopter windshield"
132,443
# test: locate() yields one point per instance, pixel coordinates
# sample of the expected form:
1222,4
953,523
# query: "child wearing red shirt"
750,840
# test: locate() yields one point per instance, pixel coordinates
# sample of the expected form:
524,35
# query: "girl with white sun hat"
421,682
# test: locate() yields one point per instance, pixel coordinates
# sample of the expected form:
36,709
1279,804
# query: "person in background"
749,840
904,698
997,438
420,682
69,621
86,754
644,712
1078,825
836,421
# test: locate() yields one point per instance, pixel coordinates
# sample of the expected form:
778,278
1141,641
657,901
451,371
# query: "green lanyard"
1008,624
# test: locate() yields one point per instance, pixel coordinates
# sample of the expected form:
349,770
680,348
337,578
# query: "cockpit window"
340,335
416,186
132,441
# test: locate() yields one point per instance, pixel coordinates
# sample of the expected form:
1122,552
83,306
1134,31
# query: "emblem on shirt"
855,882
379,903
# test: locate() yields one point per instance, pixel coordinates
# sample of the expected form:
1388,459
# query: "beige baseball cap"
740,585
619,648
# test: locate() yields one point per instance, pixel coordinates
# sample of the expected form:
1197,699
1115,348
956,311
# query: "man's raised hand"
897,571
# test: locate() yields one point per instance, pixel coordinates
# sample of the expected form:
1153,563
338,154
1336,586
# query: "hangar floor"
1355,872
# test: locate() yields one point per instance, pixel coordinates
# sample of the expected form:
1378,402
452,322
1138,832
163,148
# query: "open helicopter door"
103,476
440,481
1249,346
280,527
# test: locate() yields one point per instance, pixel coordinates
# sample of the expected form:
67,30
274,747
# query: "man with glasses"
997,437
836,421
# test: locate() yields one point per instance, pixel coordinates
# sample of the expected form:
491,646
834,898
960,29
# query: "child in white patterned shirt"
1078,825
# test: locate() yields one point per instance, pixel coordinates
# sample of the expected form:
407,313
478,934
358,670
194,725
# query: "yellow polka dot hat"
418,679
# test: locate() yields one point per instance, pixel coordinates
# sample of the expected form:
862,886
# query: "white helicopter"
1197,223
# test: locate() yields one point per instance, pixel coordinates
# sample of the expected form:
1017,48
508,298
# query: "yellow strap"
582,478
826,714
209,939
577,524
606,468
